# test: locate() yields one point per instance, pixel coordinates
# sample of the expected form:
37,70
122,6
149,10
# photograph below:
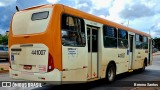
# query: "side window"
139,40
145,43
73,31
110,37
122,38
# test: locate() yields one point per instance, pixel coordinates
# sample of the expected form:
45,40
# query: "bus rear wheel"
110,73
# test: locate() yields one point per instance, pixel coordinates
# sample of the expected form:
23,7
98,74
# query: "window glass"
40,15
110,42
122,43
110,36
139,41
110,31
138,45
122,34
145,43
73,32
122,38
141,38
137,37
145,39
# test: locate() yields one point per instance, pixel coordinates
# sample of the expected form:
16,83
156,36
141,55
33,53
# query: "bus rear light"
50,63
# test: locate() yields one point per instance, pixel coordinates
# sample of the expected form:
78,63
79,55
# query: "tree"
157,43
0,39
3,39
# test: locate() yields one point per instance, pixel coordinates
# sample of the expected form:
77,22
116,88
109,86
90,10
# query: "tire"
110,73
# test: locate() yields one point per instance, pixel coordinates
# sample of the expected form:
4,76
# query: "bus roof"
81,14
38,6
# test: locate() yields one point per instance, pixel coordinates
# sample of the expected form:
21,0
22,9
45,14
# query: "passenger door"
92,36
131,38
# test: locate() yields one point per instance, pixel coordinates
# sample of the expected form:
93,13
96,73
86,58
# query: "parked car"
3,52
155,50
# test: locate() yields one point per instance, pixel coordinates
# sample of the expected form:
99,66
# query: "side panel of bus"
81,62
74,48
115,48
141,51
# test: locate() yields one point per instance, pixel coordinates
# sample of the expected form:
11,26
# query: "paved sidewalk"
156,53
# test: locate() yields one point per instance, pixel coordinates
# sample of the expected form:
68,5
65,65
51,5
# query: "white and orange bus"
59,43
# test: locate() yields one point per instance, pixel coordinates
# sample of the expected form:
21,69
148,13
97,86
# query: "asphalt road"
123,81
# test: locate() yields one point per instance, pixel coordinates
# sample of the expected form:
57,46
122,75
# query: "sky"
143,15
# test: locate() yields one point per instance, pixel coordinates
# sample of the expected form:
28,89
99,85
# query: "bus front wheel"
110,73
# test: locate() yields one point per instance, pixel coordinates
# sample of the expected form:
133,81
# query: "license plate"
27,67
